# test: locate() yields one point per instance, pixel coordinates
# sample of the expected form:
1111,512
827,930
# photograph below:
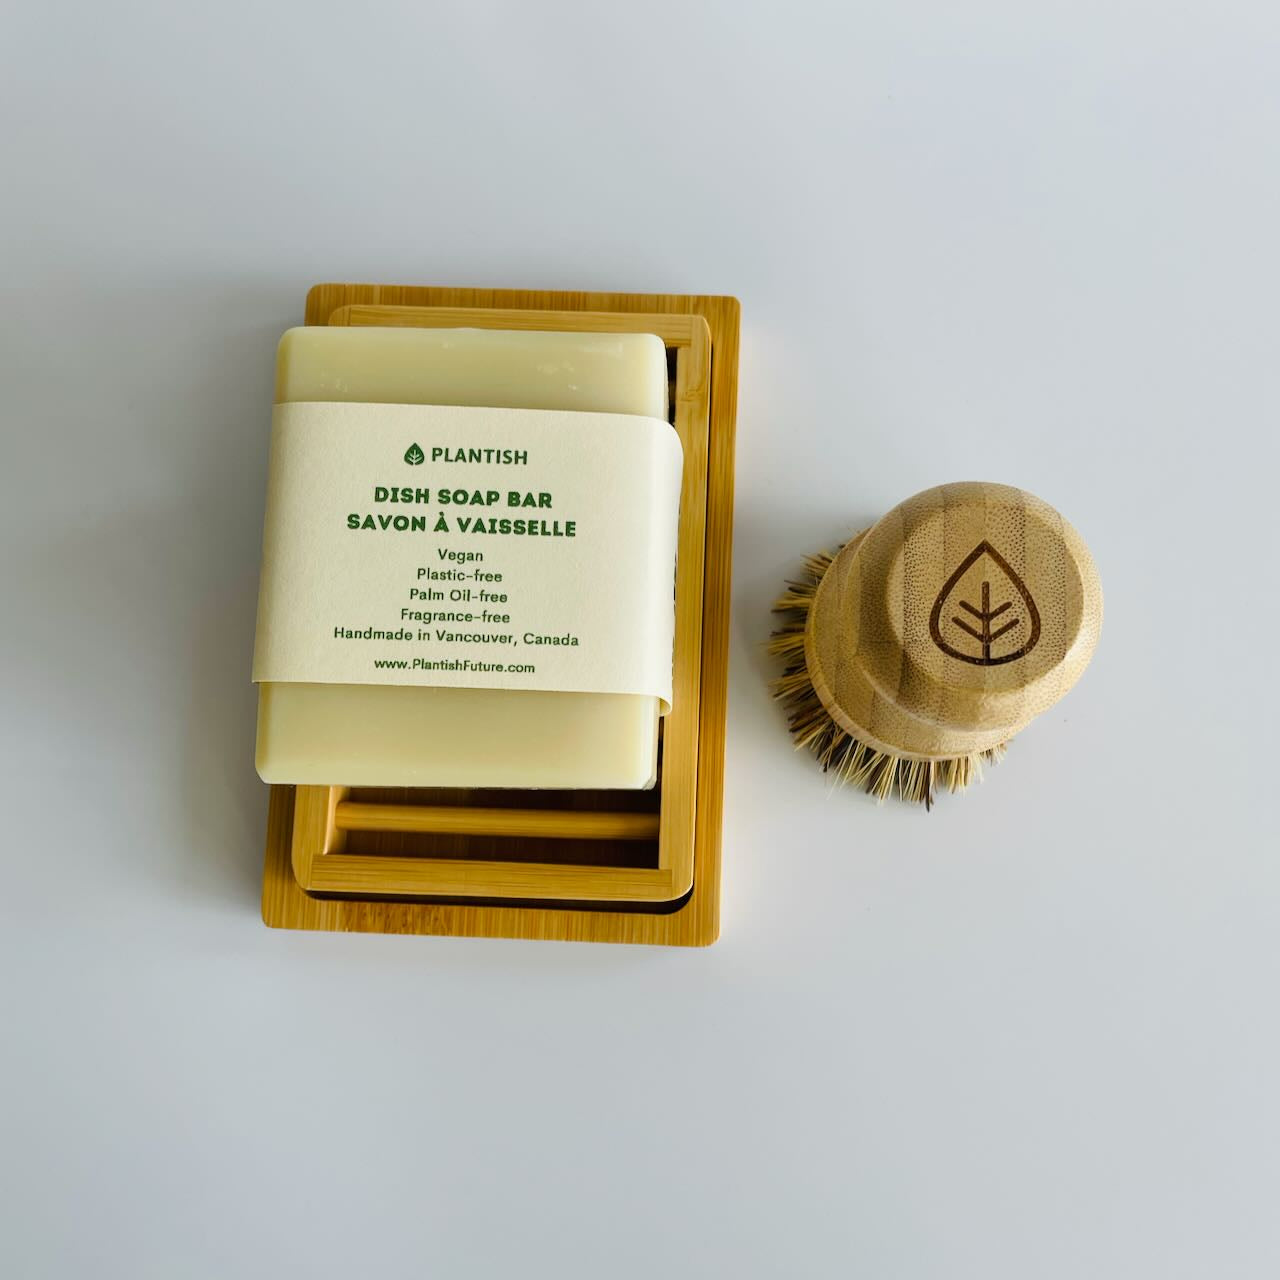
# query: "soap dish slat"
557,824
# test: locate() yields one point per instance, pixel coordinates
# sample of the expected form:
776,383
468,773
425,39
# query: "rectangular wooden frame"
323,814
634,915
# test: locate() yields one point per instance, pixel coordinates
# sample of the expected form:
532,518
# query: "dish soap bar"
415,735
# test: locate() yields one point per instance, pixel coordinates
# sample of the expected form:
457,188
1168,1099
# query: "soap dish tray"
605,866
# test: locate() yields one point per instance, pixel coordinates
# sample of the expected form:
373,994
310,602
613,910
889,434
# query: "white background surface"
1031,1035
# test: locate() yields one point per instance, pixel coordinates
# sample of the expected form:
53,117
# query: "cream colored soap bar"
384,735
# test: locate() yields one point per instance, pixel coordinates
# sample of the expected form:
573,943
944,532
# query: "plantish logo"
414,456
980,624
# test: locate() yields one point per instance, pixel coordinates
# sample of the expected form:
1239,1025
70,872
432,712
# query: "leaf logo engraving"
984,624
414,456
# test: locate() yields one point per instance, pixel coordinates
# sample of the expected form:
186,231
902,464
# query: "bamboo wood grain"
323,816
696,920
364,875
679,779
943,630
675,331
563,824
691,338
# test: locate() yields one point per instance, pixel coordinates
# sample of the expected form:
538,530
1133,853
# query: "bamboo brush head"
920,648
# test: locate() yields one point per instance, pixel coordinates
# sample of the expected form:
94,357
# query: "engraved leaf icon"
413,455
1005,605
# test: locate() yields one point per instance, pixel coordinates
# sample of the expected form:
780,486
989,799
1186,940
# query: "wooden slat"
361,874
679,779
675,331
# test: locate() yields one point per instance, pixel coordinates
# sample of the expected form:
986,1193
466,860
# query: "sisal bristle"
851,762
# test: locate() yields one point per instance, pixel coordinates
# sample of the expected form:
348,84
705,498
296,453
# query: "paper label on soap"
469,547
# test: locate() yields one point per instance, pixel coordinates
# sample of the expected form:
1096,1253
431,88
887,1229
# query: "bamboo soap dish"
607,866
